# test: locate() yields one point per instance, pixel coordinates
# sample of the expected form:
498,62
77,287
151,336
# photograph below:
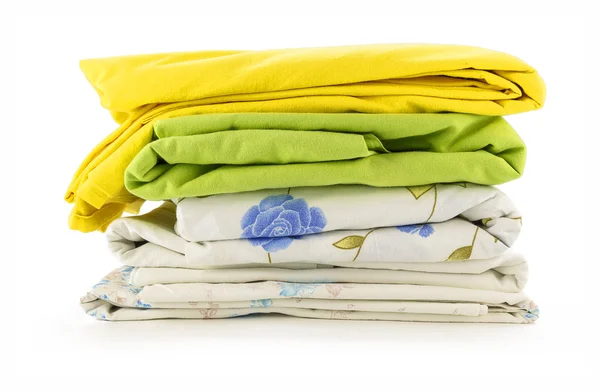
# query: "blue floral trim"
424,230
296,289
261,303
140,304
116,290
103,282
532,314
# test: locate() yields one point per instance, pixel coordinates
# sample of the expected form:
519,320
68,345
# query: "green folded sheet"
226,153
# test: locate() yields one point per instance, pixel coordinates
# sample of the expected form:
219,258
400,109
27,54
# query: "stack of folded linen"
342,183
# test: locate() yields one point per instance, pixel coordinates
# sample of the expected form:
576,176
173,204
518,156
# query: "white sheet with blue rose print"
326,225
274,213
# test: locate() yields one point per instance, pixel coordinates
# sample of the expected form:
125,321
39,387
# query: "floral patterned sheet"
116,298
273,213
438,252
327,225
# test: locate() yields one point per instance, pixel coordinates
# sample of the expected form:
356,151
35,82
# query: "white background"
57,119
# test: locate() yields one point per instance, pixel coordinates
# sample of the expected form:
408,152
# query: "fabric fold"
410,77
350,183
439,222
509,276
376,79
206,155
439,252
346,207
115,298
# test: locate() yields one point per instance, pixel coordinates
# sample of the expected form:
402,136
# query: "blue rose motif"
277,220
424,230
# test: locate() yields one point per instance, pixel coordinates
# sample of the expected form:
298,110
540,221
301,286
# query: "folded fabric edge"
116,291
106,311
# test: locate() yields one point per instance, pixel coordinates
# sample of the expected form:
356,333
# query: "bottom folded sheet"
487,291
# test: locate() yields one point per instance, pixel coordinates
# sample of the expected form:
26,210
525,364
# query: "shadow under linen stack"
338,183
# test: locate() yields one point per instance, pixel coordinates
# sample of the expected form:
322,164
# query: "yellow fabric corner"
394,78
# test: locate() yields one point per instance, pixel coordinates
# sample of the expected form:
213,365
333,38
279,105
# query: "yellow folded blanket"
394,78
